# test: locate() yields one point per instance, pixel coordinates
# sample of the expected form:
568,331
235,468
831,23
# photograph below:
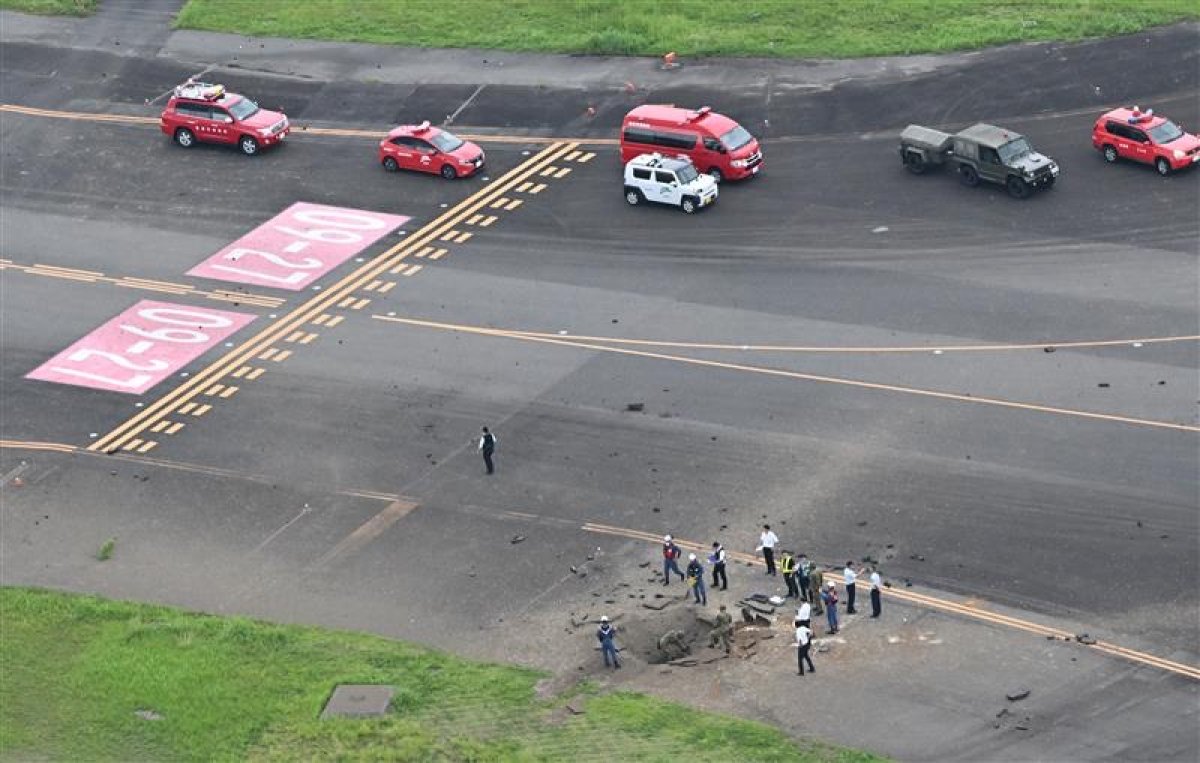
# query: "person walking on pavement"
876,594
829,597
816,582
722,631
718,562
803,644
787,565
695,578
804,614
670,552
487,446
803,567
766,544
848,577
605,634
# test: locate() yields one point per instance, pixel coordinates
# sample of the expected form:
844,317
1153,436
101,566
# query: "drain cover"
358,701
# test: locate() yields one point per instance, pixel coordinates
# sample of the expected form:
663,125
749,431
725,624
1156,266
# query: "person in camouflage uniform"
722,631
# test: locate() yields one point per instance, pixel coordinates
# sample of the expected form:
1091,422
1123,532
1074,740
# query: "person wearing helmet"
605,634
695,579
670,553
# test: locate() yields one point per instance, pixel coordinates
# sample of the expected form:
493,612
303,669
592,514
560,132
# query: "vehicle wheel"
688,205
248,145
184,137
716,174
390,164
448,172
914,162
1017,188
968,175
1110,154
633,196
1163,166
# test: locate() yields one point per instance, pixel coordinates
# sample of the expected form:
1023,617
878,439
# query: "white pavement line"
303,513
450,119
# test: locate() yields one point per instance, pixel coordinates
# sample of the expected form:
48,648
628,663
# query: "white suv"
653,177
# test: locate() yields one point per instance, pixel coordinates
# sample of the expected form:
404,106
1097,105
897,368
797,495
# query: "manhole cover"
358,701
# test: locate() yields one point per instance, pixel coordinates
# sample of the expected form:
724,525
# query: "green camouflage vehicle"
980,152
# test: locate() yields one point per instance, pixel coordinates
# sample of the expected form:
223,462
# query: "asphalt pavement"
889,366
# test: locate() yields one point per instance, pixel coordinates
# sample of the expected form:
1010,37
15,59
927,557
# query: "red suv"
199,111
429,149
1145,137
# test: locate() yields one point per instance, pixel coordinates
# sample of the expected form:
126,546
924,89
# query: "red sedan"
429,149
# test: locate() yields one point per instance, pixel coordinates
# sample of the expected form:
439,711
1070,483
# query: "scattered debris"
1103,385
657,606
574,709
1085,639
635,407
148,715
518,538
777,600
1047,349
1016,696
644,565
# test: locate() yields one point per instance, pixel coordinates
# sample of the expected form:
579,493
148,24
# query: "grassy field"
75,670
787,28
51,7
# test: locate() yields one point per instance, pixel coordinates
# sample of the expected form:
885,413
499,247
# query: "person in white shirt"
718,558
848,577
876,584
804,614
803,644
487,446
766,544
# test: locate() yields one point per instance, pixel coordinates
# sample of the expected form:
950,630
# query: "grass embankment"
51,7
75,670
784,28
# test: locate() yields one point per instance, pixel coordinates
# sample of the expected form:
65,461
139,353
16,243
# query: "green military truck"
980,152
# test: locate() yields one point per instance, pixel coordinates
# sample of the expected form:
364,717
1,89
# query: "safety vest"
788,565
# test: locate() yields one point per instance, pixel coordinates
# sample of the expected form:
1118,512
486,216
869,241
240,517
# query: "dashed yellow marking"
202,410
335,320
449,235
360,304
241,372
214,389
500,202
548,171
439,254
563,172
427,250
255,374
269,353
463,238
133,444
474,219
373,285
487,221
572,156
308,338
160,426
294,336
282,356
349,300
322,319
175,427
537,189
413,270
187,408
590,155
147,446
387,287
514,204
523,187
229,391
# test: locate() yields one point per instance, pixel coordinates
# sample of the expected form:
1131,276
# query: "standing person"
803,644
695,578
718,562
804,614
723,631
803,568
670,552
848,577
487,446
876,594
816,581
787,565
606,633
766,544
829,597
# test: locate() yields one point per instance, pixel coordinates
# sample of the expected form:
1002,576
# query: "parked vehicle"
204,112
653,177
980,152
1143,136
715,143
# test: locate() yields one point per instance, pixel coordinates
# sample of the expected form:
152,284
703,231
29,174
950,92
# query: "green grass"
51,7
75,669
786,28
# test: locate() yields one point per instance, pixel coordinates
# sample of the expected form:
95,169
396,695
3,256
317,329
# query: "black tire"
1163,166
1017,188
633,196
390,164
689,205
914,162
1110,154
968,175
185,137
248,145
448,171
716,174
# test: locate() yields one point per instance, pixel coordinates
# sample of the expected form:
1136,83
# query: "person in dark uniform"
487,446
718,562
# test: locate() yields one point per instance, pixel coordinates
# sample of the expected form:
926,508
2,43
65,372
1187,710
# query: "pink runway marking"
140,347
298,246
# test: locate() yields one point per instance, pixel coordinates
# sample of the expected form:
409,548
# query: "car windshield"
1166,132
686,174
1014,149
445,142
736,138
243,109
